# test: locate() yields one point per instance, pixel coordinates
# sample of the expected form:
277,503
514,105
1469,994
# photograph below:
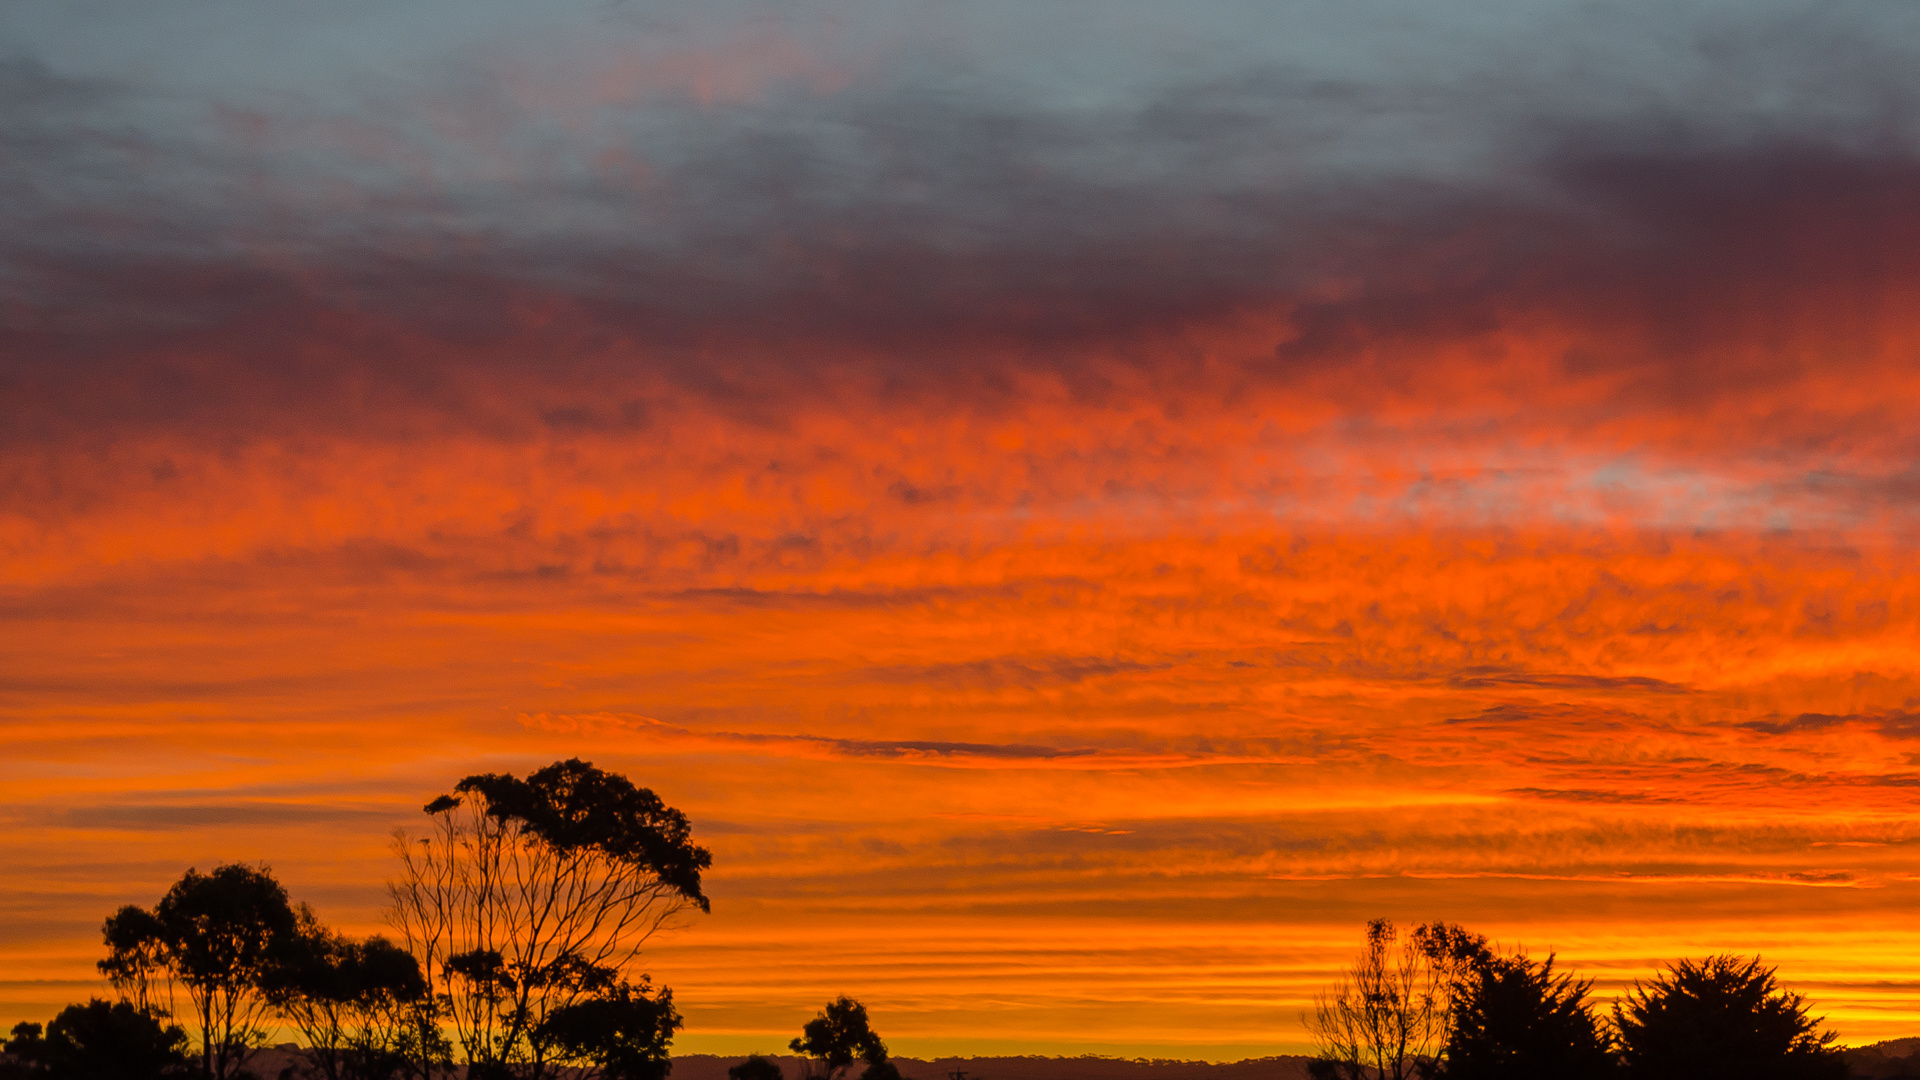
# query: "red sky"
1074,558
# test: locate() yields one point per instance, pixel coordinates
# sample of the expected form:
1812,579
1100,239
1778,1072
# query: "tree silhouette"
24,1054
528,898
1722,1018
353,1001
624,1031
100,1040
838,1037
1389,1016
756,1068
1515,1019
135,956
216,936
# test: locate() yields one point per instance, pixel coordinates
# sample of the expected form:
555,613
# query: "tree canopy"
100,1040
839,1036
527,904
1722,1018
625,1031
573,807
355,1002
217,936
1517,1019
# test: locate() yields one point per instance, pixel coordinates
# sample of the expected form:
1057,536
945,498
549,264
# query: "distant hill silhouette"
1884,1060
714,1067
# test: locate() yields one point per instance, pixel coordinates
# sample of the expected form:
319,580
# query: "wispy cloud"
972,755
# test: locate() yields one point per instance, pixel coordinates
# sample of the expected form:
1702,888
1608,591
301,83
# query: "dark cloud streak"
164,270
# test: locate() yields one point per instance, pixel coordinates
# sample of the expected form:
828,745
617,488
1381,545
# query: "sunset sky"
1083,504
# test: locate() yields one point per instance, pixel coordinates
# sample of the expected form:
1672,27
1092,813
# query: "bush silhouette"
624,1031
756,1068
1722,1018
882,1070
100,1040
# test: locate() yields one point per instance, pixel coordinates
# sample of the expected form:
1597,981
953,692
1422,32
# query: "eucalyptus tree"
839,1036
217,937
527,903
355,1004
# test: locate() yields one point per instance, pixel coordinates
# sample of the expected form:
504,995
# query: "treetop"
572,805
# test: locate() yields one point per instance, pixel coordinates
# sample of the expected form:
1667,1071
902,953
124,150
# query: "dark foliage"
355,1002
482,967
136,953
572,805
756,1068
1722,1019
100,1040
217,936
1456,952
625,1030
1514,1019
839,1036
23,1055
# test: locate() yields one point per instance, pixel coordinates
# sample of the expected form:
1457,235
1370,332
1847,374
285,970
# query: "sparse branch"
1388,1017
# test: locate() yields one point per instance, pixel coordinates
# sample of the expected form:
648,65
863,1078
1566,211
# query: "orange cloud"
1074,633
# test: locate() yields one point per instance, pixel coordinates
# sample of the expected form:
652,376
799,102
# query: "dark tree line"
1444,1005
520,917
101,1040
522,911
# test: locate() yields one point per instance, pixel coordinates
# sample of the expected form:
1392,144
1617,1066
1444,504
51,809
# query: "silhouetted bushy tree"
353,1001
1515,1019
216,936
624,1030
100,1040
1722,1018
838,1037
